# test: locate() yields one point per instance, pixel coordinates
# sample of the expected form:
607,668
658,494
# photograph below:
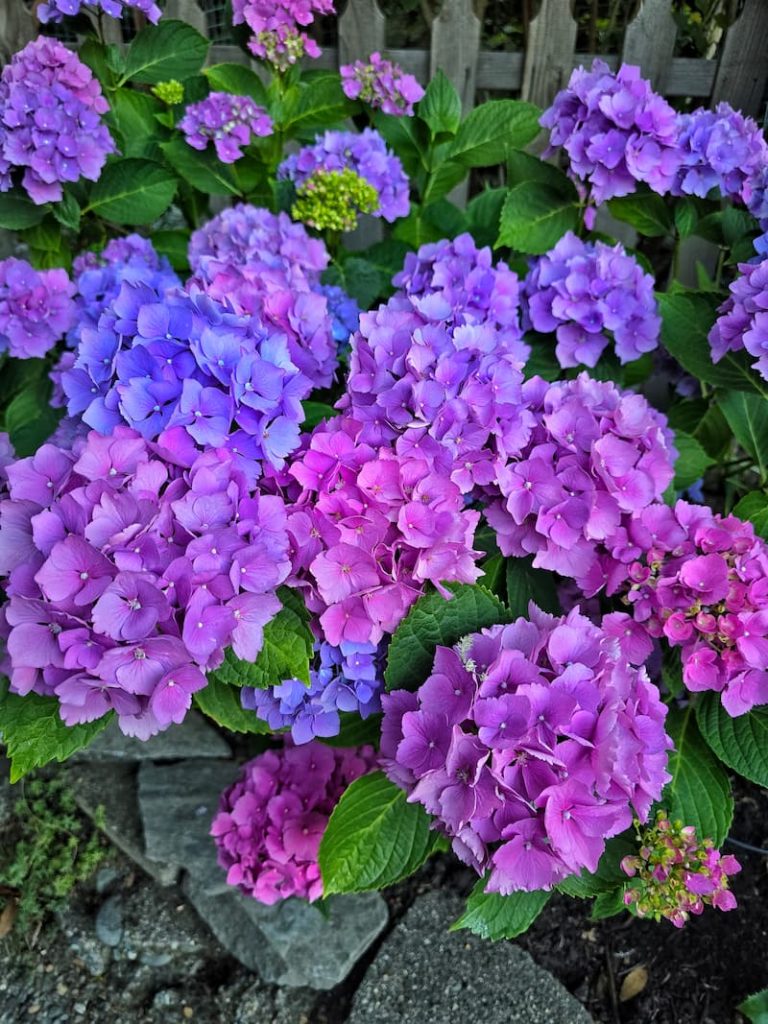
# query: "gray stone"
423,972
107,793
178,803
293,943
105,880
109,921
251,1002
80,936
193,738
161,929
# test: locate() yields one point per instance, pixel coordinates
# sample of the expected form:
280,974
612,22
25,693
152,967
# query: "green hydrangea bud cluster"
332,200
281,53
171,92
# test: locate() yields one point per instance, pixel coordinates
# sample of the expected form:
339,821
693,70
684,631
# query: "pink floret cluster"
271,821
531,744
278,28
129,573
382,85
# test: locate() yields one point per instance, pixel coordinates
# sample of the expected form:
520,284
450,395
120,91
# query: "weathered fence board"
549,51
650,41
362,30
743,70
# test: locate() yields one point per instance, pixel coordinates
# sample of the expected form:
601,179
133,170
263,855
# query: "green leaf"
134,114
316,412
754,508
535,217
687,318
132,191
221,703
30,420
672,671
686,216
67,212
94,55
447,175
645,211
17,211
699,793
430,223
173,244
495,578
202,170
741,743
755,1008
484,215
692,461
747,416
440,107
608,904
316,105
524,584
491,130
434,621
522,167
170,49
359,278
34,733
492,916
374,837
608,876
238,80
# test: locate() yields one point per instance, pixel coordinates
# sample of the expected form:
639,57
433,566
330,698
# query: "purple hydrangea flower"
270,822
743,318
382,85
347,678
343,311
52,11
530,745
615,130
36,308
277,27
589,293
50,120
229,121
128,572
366,154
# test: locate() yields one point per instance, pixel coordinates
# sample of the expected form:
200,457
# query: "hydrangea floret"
51,126
675,875
171,92
333,200
531,744
36,308
53,11
278,28
742,321
381,84
230,122
129,572
271,821
589,294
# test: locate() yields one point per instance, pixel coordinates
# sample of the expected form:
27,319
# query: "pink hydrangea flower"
382,85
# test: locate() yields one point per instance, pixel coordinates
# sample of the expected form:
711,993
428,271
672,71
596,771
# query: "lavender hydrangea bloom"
128,573
347,678
277,27
743,318
530,744
270,822
50,120
186,370
229,121
616,131
36,308
53,11
366,154
268,267
382,85
588,293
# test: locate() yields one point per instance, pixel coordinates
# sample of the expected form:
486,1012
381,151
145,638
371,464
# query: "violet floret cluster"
278,28
530,744
185,369
271,821
344,313
742,321
266,266
381,84
36,308
344,679
589,294
366,154
53,11
595,456
230,122
129,573
369,529
51,108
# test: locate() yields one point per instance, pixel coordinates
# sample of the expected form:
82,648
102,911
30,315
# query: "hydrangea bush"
462,533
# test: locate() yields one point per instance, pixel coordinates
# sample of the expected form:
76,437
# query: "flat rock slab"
193,738
424,973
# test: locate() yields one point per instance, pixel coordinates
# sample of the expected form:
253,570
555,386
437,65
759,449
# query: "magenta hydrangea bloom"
530,745
270,822
743,318
267,266
230,122
186,370
615,130
129,572
369,528
441,362
382,85
700,581
50,120
277,27
36,308
589,294
52,11
596,456
366,154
